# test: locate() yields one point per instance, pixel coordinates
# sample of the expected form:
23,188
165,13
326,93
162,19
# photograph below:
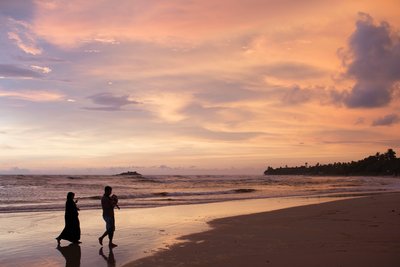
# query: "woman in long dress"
72,230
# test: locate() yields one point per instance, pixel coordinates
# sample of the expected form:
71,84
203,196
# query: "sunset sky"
202,86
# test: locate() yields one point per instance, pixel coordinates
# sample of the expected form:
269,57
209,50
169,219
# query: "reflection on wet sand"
110,259
72,254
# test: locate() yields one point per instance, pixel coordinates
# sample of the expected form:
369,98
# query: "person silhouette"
72,254
72,230
110,259
108,203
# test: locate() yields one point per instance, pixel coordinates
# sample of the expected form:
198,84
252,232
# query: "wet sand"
354,232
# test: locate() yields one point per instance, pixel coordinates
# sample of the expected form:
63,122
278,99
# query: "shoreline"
352,232
338,195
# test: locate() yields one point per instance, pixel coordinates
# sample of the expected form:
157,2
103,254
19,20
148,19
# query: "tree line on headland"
386,164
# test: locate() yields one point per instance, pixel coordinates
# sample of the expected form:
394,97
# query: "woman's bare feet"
112,245
101,241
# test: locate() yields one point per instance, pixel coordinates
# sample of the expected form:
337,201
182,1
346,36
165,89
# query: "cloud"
15,170
374,54
291,70
33,96
110,102
6,147
7,70
23,37
92,51
41,59
41,69
359,121
219,91
158,21
198,111
296,95
386,120
203,133
346,136
103,40
205,114
20,9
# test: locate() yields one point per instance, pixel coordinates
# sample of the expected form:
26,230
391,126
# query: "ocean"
23,193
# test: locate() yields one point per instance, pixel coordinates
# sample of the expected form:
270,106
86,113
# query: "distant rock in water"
161,194
129,173
244,190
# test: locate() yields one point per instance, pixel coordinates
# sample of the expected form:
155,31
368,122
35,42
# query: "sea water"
20,193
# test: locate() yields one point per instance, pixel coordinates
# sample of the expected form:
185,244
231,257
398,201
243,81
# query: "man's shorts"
110,223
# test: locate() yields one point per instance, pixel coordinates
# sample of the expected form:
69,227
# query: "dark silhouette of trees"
379,164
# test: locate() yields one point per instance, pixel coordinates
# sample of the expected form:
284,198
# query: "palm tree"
390,154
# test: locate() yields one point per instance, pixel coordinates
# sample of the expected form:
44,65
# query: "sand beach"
354,232
262,232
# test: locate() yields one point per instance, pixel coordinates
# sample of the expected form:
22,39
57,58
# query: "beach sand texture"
356,232
276,232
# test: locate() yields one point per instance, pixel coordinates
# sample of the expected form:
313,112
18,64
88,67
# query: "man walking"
108,203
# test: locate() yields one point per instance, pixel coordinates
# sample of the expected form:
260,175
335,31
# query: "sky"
196,86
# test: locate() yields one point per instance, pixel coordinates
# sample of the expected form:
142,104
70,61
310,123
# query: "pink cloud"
21,34
33,96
